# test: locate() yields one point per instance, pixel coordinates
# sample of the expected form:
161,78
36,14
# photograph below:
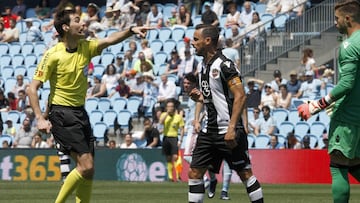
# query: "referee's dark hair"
63,17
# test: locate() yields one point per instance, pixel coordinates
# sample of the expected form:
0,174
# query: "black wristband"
130,29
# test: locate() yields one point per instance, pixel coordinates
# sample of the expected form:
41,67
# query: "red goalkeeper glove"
310,108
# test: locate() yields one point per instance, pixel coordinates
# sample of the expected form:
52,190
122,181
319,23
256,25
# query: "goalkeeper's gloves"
310,108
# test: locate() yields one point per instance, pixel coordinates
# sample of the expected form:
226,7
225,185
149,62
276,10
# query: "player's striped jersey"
347,91
218,99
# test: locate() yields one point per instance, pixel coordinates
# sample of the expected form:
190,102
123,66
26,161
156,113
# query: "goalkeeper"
343,104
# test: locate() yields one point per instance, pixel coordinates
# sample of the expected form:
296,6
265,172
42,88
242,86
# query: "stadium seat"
101,34
111,30
116,48
162,69
5,60
156,45
40,48
99,69
124,118
169,45
9,84
99,130
140,143
18,60
7,138
91,104
45,94
48,36
280,21
251,140
104,104
280,115
30,59
281,139
96,59
30,13
324,118
286,127
178,33
4,48
27,48
160,58
119,104
7,72
302,128
313,119
190,32
260,8
14,116
222,20
196,21
313,141
267,19
293,116
22,35
180,44
107,58
164,33
20,70
109,117
262,141
152,35
133,105
31,71
15,48
149,109
95,116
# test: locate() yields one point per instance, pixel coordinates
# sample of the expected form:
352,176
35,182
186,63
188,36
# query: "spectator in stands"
43,10
5,144
142,60
209,17
129,62
236,37
19,9
278,80
283,98
267,124
187,46
112,144
187,65
287,7
151,134
10,129
146,50
7,16
24,136
328,76
110,77
4,102
119,64
91,34
78,10
173,64
218,7
310,88
117,17
184,17
108,20
128,18
247,14
167,90
122,89
254,120
154,18
170,21
133,47
91,17
292,141
20,85
308,62
299,7
274,143
253,31
231,53
38,142
22,101
306,142
271,6
253,95
128,143
151,90
11,34
2,31
33,33
269,98
137,86
294,84
98,89
144,12
12,101
156,119
233,17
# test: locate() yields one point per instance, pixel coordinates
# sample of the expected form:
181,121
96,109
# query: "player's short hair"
191,77
209,31
349,7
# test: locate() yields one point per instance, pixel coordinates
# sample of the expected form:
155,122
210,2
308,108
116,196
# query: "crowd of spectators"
132,73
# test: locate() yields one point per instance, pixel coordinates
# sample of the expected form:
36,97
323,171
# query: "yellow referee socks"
71,182
83,192
170,167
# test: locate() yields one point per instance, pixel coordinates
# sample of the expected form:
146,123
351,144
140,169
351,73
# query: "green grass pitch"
166,192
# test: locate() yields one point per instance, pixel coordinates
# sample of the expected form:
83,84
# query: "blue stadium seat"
91,104
45,94
314,140
156,45
280,21
18,60
48,36
251,140
119,104
5,60
99,130
281,139
31,71
189,32
96,59
267,19
22,36
107,58
324,118
293,116
124,118
140,143
30,59
152,35
167,9
169,45
95,116
109,117
180,44
7,138
9,84
149,109
101,34
286,127
280,115
111,30
104,104
14,116
7,72
15,48
302,128
99,69
164,33
4,48
260,8
133,105
262,141
40,48
162,69
20,70
160,58
178,33
116,48
30,13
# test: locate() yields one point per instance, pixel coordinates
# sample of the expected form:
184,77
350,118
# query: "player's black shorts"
211,150
170,146
71,129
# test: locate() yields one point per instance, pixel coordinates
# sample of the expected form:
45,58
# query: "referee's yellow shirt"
172,125
67,72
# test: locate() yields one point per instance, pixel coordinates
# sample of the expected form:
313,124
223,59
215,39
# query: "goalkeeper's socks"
71,182
340,184
196,190
254,190
355,172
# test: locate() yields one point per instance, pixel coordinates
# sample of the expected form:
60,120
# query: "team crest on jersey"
215,73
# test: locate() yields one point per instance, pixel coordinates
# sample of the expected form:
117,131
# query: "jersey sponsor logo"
39,73
205,88
346,44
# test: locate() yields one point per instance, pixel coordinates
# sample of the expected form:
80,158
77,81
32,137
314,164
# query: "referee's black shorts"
71,129
170,146
211,150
